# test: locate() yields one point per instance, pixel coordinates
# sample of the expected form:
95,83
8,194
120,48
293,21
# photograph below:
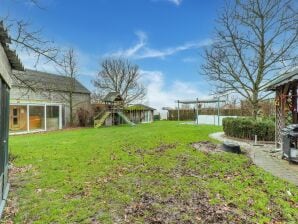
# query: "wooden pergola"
285,87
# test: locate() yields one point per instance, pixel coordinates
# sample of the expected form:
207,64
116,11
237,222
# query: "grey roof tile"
11,55
48,81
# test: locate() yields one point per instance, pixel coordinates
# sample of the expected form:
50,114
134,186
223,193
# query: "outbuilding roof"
47,81
13,59
282,79
139,107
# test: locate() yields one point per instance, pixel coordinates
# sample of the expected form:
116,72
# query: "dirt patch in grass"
207,147
141,152
164,147
16,170
196,208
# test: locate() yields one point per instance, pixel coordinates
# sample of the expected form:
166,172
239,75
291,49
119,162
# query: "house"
286,105
40,101
139,113
8,61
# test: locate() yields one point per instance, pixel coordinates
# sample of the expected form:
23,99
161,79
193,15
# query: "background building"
40,101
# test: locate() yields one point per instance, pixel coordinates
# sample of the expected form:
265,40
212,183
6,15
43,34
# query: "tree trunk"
255,108
255,105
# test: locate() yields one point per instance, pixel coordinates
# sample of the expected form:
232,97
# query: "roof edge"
12,56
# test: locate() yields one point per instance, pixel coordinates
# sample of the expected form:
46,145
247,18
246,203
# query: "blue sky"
164,37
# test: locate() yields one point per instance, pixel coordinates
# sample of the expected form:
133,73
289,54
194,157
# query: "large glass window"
36,118
18,118
52,117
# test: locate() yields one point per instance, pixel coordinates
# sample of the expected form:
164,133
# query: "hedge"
247,128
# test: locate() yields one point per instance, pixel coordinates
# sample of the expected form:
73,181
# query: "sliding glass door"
35,117
52,117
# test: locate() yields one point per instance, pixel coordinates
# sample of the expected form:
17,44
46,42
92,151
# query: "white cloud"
130,52
176,2
162,94
141,50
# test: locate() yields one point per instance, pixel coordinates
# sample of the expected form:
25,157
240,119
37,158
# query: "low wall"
211,119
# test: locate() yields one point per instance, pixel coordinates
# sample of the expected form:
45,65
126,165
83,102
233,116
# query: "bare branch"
119,75
253,40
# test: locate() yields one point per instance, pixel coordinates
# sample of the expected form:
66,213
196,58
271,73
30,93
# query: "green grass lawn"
143,174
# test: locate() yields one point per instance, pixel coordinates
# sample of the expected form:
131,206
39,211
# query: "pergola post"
45,117
218,112
178,111
197,111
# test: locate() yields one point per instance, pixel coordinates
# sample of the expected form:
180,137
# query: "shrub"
247,128
156,117
84,117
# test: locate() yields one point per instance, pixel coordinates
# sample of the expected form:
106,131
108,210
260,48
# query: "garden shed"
286,91
8,61
139,113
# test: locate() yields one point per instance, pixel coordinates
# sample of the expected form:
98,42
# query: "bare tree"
120,75
69,68
253,40
31,41
28,40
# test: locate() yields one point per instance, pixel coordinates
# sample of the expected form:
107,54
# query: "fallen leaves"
195,208
206,147
16,170
10,210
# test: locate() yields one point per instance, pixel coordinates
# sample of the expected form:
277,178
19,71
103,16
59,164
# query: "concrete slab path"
263,157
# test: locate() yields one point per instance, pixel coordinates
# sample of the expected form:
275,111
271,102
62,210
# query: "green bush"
247,128
156,117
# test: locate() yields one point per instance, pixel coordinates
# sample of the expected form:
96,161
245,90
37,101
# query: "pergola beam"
199,101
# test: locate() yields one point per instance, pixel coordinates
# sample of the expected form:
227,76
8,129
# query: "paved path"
262,157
